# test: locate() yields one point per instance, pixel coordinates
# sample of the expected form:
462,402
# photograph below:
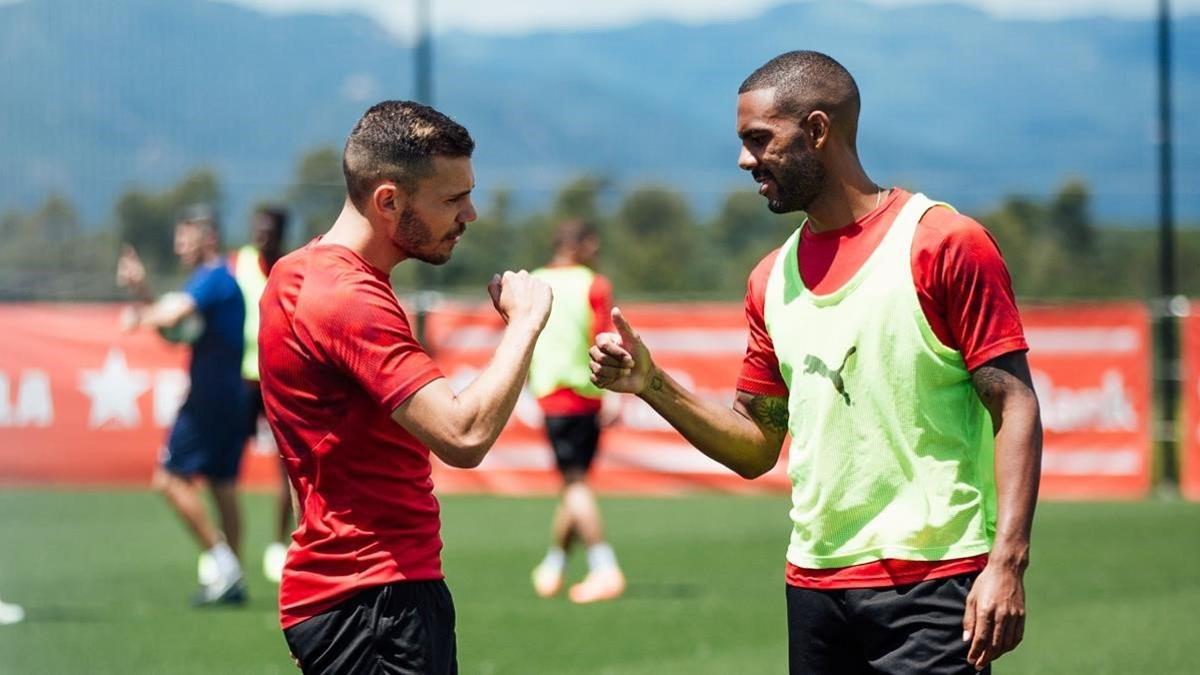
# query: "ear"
388,200
817,127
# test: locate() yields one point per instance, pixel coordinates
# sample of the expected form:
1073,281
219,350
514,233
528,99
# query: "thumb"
629,336
494,288
969,618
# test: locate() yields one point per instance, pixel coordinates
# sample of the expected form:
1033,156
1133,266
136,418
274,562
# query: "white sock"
601,557
227,563
556,559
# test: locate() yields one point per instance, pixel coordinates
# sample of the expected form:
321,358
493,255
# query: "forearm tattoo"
656,382
771,412
1002,375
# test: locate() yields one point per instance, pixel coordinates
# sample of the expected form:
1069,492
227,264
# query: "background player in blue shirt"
205,443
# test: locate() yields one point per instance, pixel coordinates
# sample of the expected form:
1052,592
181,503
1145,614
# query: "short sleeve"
600,297
210,287
363,331
968,284
760,367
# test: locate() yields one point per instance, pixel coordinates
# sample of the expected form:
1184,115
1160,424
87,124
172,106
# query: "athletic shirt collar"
868,220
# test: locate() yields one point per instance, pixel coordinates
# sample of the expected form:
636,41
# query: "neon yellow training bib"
891,448
560,358
252,281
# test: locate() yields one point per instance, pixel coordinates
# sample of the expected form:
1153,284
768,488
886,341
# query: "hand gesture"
131,273
620,361
518,296
994,622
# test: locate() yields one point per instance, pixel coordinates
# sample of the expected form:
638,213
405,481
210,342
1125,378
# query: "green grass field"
106,576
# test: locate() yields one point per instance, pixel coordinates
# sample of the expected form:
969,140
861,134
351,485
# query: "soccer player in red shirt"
885,340
356,405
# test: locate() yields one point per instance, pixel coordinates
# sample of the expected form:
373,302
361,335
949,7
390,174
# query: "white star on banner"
114,390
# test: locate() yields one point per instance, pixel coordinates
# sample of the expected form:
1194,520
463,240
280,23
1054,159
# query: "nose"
469,215
746,160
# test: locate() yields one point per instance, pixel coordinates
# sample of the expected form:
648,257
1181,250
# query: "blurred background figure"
561,380
205,442
251,264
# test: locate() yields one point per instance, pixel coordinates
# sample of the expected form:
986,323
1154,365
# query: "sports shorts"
574,439
916,628
403,627
254,407
207,439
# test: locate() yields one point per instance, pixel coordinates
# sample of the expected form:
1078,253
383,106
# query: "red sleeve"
760,367
964,288
361,329
601,300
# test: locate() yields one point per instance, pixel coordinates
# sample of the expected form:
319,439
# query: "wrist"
656,383
1010,555
526,326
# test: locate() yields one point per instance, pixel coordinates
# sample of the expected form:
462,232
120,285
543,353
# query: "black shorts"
254,407
916,628
405,627
574,439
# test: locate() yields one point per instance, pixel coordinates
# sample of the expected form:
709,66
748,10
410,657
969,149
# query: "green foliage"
318,191
653,245
46,254
146,219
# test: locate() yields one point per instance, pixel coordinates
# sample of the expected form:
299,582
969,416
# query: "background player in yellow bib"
884,339
560,379
251,264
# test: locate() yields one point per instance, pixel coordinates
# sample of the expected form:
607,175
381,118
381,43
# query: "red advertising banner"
81,402
1189,471
700,345
1091,369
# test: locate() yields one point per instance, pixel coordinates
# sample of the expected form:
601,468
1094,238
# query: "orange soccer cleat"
599,585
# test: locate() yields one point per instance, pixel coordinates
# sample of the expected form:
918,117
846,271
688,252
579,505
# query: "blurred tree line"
654,245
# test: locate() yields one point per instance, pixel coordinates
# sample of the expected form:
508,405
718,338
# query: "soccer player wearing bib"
205,441
356,405
560,379
884,339
251,264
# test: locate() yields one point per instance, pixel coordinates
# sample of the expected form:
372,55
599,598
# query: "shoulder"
601,284
944,232
329,287
762,272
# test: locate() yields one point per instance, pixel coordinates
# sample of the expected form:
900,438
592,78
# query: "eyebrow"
462,194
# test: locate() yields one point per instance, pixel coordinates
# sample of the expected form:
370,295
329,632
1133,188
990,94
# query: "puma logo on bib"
813,364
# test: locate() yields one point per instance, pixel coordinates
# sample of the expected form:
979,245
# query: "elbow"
466,452
462,459
752,471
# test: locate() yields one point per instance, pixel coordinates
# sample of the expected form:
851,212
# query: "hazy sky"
513,16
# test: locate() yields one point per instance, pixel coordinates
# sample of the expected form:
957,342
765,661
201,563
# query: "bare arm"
995,619
747,438
461,427
163,313
166,312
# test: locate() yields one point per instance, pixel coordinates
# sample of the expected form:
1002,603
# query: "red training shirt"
337,356
564,402
966,294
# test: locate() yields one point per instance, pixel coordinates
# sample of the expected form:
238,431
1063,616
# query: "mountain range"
101,96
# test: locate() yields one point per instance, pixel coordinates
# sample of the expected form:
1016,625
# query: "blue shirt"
216,368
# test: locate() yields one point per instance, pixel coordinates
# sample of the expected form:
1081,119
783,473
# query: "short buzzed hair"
277,216
397,141
200,215
805,81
